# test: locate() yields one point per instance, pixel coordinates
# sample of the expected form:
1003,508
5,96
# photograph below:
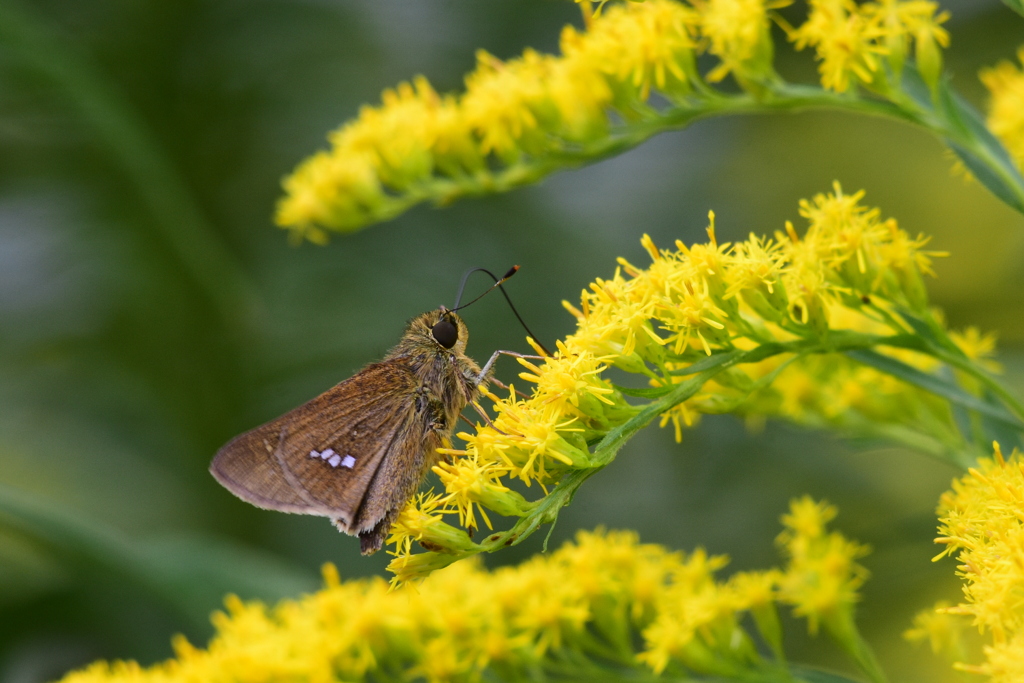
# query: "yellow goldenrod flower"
472,485
981,524
1004,661
532,440
421,521
739,33
846,41
977,345
570,384
502,101
850,38
337,190
571,613
1005,83
758,266
916,21
756,592
822,578
698,624
805,523
943,631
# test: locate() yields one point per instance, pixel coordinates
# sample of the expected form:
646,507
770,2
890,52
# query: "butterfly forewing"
321,457
357,453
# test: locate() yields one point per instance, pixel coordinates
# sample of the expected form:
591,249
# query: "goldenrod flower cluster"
846,273
943,631
631,73
981,524
1005,83
854,41
755,328
822,578
604,605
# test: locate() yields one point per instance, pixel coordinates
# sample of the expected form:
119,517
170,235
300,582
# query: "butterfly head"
445,328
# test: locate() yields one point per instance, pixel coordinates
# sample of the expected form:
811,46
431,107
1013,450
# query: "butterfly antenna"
497,285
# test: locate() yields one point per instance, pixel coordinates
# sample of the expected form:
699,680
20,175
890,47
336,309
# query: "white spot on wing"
334,460
314,454
348,462
327,453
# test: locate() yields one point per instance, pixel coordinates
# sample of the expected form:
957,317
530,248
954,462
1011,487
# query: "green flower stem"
845,632
867,661
952,125
104,107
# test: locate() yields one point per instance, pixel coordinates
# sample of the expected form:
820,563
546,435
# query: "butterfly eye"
445,333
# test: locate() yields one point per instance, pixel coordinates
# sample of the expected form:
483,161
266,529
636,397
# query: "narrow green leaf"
1016,5
988,161
704,364
719,360
200,569
191,573
958,109
105,108
968,136
812,675
936,385
919,326
707,363
912,84
643,392
984,174
998,431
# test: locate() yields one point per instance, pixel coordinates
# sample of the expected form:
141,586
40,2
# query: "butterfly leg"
480,411
494,356
487,418
502,385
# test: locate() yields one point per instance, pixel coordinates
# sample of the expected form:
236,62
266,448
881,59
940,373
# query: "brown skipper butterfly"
358,452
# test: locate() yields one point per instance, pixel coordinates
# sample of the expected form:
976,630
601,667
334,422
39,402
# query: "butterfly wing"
322,457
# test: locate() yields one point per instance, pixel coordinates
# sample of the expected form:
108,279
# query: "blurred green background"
149,309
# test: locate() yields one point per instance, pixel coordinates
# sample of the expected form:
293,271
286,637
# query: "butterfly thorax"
447,375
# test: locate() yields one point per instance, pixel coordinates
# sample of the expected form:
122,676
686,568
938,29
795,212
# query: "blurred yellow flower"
851,39
1005,83
822,578
943,631
981,524
606,603
739,33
